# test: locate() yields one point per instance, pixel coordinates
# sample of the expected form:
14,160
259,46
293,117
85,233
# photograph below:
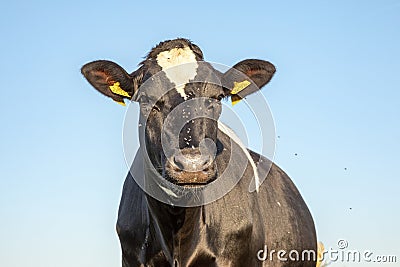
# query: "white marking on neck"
229,132
167,60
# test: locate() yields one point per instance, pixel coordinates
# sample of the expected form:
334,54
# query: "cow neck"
174,226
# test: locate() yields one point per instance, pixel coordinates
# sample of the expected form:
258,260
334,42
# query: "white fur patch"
229,132
167,60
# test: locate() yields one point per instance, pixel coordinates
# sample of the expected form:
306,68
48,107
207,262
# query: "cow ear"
247,77
111,80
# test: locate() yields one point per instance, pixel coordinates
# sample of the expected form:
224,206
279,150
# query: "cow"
166,216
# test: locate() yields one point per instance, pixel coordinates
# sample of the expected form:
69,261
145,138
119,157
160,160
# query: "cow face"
180,103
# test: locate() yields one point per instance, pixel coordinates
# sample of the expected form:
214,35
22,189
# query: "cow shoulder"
288,223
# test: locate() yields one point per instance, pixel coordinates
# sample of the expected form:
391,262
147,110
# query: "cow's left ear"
111,80
246,77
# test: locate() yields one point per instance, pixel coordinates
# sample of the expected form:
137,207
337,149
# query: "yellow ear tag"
235,99
122,103
238,87
116,89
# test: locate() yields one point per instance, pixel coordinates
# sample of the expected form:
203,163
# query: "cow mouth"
190,179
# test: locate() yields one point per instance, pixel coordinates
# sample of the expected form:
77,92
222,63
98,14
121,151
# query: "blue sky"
335,101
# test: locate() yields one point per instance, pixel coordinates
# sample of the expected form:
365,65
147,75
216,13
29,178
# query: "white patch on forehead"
167,60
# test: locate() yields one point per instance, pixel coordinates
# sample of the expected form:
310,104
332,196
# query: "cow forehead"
180,66
175,57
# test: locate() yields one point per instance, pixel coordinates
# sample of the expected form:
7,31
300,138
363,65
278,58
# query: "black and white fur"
231,230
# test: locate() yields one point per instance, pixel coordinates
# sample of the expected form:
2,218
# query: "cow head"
180,102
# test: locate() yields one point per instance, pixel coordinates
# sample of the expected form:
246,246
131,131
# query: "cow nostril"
179,161
206,162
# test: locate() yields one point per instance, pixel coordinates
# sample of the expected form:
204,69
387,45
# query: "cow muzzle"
191,167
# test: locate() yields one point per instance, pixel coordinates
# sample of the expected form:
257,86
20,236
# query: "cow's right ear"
112,80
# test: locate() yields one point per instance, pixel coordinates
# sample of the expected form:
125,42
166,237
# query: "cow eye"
148,104
220,97
155,108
